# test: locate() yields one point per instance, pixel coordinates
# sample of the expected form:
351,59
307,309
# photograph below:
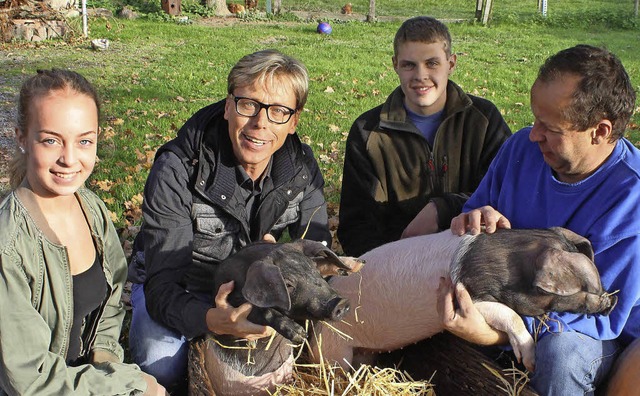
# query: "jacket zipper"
444,172
432,171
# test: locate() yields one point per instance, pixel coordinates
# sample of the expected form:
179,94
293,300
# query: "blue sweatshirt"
604,208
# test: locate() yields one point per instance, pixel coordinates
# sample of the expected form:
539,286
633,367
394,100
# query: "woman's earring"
22,150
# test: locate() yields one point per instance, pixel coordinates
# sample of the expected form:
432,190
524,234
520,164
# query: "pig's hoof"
524,348
529,358
299,338
297,334
526,353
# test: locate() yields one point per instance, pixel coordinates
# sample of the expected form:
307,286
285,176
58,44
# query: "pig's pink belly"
387,317
228,381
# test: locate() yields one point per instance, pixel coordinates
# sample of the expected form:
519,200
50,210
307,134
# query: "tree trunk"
635,8
219,7
277,6
371,16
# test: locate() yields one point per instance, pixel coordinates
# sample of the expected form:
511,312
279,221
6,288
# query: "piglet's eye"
290,286
541,291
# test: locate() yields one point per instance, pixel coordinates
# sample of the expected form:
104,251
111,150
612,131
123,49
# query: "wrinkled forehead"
273,90
553,96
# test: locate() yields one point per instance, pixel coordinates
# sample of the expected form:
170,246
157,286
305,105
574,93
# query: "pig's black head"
534,271
570,273
290,279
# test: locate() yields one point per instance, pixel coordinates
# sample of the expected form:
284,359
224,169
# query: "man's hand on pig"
474,220
465,321
425,222
226,319
269,238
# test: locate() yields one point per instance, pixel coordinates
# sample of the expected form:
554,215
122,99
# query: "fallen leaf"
113,216
137,199
104,185
107,132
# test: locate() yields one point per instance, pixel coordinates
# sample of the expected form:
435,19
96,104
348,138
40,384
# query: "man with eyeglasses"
236,173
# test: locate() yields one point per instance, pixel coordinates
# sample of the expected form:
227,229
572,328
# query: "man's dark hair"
603,92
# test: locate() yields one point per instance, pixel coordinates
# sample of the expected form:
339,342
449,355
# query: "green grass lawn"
157,73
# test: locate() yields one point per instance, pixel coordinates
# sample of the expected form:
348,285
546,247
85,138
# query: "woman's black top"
89,291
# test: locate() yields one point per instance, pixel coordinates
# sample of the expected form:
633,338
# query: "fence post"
487,11
542,7
478,10
371,16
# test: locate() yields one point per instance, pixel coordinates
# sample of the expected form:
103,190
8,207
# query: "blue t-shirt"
604,208
427,125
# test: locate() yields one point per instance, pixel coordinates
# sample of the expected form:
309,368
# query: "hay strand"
519,379
324,379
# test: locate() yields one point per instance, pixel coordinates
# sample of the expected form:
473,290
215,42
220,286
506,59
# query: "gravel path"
9,87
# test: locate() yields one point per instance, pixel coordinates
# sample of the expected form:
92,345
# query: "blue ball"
324,28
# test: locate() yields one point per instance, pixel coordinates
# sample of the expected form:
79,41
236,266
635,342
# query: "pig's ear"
327,262
265,286
554,276
581,243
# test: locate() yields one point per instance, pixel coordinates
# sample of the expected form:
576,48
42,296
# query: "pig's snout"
339,308
600,303
608,302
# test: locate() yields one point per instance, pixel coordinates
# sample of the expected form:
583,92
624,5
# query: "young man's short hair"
423,29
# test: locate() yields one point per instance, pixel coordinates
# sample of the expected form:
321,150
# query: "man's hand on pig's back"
474,220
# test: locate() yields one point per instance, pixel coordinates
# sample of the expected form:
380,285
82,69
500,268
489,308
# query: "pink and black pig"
285,283
508,273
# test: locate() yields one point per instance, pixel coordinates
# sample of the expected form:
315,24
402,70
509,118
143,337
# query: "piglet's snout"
338,308
608,302
602,303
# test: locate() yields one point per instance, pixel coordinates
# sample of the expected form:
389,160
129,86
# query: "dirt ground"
303,15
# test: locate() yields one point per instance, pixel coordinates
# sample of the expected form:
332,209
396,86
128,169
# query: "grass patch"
157,73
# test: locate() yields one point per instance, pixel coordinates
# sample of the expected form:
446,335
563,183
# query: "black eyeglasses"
278,114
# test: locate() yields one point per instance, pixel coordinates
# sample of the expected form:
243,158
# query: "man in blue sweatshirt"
573,168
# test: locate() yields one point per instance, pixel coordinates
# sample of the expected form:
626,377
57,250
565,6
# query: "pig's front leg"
279,322
505,319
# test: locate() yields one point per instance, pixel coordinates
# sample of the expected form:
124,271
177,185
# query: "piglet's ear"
265,287
581,243
327,262
554,276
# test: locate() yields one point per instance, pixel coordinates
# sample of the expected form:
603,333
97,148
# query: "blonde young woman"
61,266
